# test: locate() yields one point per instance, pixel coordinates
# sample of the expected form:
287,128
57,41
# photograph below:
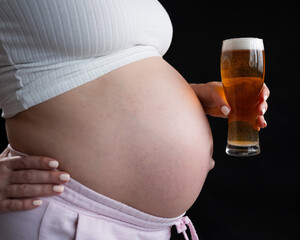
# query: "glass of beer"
242,72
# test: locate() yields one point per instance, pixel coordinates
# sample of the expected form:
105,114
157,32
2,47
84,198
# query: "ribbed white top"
48,47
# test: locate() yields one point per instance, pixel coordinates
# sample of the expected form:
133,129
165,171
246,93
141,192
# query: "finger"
32,190
38,176
215,112
262,108
219,99
265,93
261,122
31,162
9,205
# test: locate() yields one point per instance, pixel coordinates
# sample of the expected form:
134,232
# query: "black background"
244,198
257,197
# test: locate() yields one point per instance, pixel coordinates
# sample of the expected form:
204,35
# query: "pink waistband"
79,198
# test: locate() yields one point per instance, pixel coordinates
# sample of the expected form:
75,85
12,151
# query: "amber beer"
242,71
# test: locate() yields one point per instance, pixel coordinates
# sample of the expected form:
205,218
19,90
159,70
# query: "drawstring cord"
181,228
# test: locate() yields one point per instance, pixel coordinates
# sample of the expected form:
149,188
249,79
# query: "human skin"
138,134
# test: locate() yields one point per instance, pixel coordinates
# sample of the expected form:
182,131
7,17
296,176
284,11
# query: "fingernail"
265,97
37,202
53,164
64,177
225,110
263,111
58,188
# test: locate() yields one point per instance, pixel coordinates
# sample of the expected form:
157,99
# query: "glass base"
242,151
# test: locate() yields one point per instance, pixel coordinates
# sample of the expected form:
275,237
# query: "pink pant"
80,213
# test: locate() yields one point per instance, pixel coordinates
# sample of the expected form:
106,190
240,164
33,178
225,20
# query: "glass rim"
243,43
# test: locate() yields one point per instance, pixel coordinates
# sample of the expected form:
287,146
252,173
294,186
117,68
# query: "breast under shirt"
48,47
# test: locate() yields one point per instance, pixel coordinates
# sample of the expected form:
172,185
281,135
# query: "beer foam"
243,44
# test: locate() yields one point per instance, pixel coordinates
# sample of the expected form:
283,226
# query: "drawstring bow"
181,228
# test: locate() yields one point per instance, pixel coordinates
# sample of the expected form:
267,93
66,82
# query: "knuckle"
3,192
43,162
26,176
46,190
11,205
15,205
7,205
3,166
36,162
2,207
24,162
22,190
22,206
54,177
7,190
5,176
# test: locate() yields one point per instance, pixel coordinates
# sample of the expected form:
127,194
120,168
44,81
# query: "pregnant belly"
138,135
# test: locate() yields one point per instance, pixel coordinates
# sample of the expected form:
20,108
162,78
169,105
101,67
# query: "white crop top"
48,47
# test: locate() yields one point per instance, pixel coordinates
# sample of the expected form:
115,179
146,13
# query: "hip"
80,213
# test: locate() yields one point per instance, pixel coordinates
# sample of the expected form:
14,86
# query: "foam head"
243,44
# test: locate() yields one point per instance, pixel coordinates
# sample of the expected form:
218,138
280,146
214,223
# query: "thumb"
222,108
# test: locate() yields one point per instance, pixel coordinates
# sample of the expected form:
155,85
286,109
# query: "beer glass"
242,72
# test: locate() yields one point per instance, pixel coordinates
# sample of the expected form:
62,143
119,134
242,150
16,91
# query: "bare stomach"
138,135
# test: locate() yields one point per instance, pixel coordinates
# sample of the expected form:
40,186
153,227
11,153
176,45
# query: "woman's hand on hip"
24,179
